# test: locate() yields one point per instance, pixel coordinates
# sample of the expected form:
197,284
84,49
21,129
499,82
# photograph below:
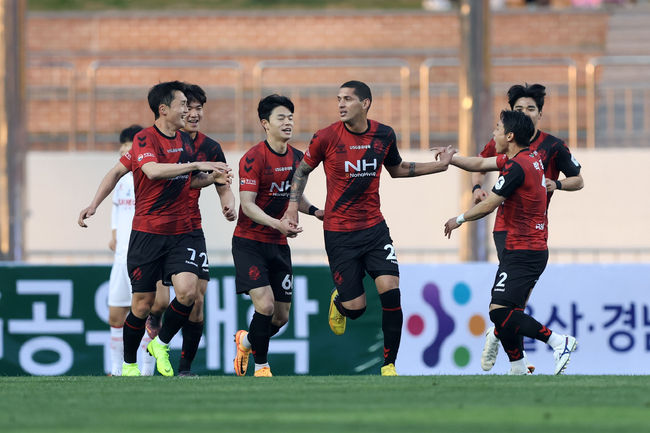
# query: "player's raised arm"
411,169
105,187
479,210
298,184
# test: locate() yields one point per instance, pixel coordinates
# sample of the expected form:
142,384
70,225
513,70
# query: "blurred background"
77,72
74,73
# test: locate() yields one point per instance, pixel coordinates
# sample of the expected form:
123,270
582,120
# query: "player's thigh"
186,255
281,272
145,260
346,265
518,272
380,259
251,264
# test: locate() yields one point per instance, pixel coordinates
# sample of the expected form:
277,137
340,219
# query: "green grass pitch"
357,404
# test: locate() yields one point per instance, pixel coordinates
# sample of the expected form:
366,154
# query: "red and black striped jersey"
161,206
521,181
202,148
353,164
269,174
555,155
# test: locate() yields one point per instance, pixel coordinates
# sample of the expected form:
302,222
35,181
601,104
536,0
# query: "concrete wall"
610,212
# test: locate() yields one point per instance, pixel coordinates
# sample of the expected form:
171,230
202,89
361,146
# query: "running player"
259,246
520,194
556,156
162,245
357,238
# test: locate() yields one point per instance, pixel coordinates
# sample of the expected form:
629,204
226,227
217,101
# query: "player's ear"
163,109
265,124
510,136
366,104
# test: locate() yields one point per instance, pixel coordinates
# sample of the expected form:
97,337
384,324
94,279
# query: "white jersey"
122,215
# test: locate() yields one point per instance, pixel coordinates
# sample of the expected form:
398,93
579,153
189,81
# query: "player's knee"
266,308
352,314
280,320
499,316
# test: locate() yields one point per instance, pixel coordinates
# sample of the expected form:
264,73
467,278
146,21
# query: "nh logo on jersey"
361,165
282,187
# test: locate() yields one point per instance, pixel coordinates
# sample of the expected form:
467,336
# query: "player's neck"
514,149
278,146
191,134
358,126
165,127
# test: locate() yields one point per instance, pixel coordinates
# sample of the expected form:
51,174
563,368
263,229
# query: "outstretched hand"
288,229
450,226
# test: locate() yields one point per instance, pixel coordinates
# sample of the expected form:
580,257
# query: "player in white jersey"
119,291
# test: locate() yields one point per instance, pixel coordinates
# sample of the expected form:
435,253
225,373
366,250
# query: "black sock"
391,324
273,329
507,329
259,336
529,327
175,317
155,318
192,332
132,334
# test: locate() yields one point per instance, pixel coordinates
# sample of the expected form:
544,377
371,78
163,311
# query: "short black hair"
163,93
536,92
195,93
519,124
268,104
361,89
127,134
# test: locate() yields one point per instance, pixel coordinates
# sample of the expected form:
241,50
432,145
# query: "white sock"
159,341
261,366
245,342
147,362
555,340
117,351
518,367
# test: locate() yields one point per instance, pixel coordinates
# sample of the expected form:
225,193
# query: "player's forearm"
159,170
573,183
483,208
255,213
304,205
226,196
413,169
201,180
106,186
477,178
474,163
299,182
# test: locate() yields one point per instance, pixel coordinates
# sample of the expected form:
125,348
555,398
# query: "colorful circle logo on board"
415,324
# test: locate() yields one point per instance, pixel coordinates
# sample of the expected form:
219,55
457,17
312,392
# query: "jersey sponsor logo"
281,187
540,226
361,167
283,168
244,181
175,150
358,147
500,181
145,155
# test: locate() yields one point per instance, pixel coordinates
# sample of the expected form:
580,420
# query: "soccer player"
259,245
119,286
162,244
201,148
556,156
520,194
357,238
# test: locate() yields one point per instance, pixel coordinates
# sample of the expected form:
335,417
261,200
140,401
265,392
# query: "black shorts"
352,254
152,257
259,264
499,243
518,273
205,267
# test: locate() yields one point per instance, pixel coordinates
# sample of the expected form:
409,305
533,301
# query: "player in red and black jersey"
200,147
357,238
162,245
556,156
259,245
520,191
